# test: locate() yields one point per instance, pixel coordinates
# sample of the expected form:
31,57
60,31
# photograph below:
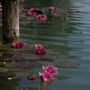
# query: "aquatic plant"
18,44
42,17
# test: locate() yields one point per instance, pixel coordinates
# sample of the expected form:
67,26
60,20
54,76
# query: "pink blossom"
15,44
48,73
39,49
50,69
19,10
31,13
42,17
52,8
33,9
39,46
18,44
22,44
46,77
32,77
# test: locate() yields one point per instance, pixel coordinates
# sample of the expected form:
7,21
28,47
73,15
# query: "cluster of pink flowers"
48,73
52,8
42,17
18,44
39,49
31,11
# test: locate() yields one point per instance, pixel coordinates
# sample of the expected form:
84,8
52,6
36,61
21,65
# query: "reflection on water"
66,38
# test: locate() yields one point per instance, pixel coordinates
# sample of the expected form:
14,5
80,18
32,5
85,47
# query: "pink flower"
15,44
39,46
50,69
19,10
31,13
39,49
22,44
32,77
18,44
46,77
0,10
52,8
48,73
42,17
33,9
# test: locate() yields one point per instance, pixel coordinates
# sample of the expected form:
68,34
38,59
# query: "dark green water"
67,36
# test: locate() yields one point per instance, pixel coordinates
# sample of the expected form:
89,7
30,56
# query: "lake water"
67,37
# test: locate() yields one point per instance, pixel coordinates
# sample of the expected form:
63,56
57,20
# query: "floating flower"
48,73
46,77
39,46
31,13
32,77
0,10
39,49
18,44
50,69
33,9
42,17
52,8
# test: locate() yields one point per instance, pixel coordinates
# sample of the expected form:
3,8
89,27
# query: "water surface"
67,37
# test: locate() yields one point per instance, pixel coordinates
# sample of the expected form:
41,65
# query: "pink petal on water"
42,17
50,69
53,8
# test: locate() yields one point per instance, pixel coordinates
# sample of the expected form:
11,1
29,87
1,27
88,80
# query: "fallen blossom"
40,49
52,8
48,73
18,44
32,77
50,69
33,9
46,77
30,13
42,17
